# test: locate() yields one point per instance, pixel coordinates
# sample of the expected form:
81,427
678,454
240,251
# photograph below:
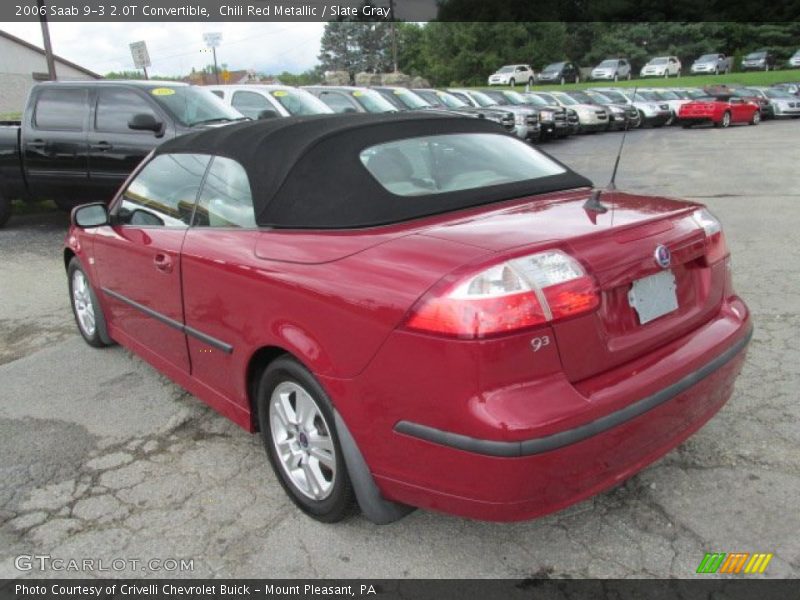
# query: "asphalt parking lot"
101,457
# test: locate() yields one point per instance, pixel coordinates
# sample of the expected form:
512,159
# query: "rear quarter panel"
333,316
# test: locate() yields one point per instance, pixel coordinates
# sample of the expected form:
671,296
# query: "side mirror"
267,113
145,122
90,215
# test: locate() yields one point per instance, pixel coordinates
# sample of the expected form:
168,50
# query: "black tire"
5,210
340,501
726,120
641,120
98,337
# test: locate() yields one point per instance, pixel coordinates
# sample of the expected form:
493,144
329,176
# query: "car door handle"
102,146
163,263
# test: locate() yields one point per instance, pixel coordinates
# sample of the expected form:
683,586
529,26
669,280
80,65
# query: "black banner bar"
742,11
741,588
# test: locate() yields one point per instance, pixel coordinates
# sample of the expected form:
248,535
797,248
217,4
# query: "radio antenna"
593,203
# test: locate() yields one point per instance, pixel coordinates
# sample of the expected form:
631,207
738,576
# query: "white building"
23,64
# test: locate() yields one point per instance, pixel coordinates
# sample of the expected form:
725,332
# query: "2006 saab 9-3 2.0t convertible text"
415,310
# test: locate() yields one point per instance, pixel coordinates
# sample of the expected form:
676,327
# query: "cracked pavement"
101,457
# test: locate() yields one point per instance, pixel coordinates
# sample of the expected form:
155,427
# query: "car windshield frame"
779,94
667,95
545,95
661,60
599,97
181,101
581,94
372,101
608,63
408,99
483,100
515,98
310,104
623,99
565,99
756,55
450,101
505,69
534,100
707,58
554,67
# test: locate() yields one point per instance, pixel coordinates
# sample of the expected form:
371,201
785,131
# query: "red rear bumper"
540,463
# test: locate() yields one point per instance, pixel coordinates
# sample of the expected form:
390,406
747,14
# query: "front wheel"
5,210
726,120
298,429
756,118
85,307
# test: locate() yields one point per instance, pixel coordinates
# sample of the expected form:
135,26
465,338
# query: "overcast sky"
177,47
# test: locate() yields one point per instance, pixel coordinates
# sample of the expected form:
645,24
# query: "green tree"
356,44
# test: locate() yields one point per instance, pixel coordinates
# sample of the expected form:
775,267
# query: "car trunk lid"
618,248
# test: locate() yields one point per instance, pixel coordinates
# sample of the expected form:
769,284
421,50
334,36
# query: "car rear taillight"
716,248
515,294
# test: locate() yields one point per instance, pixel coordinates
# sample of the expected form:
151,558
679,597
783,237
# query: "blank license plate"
654,296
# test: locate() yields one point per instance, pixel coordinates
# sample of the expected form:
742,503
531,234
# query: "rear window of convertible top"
429,165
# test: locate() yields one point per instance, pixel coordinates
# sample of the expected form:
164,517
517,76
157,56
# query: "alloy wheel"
82,301
302,440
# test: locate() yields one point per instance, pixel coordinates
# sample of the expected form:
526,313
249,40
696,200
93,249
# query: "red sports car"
722,110
415,310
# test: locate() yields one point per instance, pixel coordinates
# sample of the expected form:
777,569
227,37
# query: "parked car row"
78,141
619,68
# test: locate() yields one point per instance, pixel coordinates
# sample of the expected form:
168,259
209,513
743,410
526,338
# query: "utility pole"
394,36
216,68
212,40
48,49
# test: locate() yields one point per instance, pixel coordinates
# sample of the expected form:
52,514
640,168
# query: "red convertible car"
415,310
722,110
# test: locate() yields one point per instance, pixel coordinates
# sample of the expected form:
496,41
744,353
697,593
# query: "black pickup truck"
78,141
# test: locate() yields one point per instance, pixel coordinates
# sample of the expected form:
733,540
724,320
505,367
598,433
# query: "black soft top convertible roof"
305,172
